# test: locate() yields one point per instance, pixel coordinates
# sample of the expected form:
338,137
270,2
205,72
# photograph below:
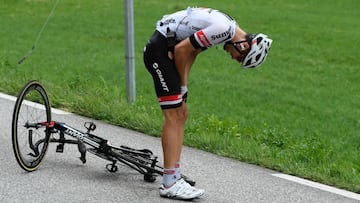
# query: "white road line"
319,186
33,104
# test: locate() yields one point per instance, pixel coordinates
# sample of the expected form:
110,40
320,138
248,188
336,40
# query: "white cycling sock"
177,170
169,177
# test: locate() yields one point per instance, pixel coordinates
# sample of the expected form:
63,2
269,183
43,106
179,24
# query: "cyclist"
168,56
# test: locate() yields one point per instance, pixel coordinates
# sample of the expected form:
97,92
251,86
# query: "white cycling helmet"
260,45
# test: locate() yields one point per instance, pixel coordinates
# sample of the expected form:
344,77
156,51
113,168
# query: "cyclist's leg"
173,134
168,90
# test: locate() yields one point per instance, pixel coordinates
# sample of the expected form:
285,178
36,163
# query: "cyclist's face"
237,50
234,53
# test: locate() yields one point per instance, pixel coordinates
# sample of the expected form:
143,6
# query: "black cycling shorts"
163,71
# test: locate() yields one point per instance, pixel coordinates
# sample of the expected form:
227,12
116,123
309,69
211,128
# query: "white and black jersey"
204,26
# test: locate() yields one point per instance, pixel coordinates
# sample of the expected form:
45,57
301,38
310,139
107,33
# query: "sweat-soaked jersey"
204,26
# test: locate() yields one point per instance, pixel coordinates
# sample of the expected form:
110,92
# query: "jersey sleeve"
199,40
213,35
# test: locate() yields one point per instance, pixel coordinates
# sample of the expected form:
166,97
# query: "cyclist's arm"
185,55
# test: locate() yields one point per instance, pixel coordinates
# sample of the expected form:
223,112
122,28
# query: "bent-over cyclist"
168,56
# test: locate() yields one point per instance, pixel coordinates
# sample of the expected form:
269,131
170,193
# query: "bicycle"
33,130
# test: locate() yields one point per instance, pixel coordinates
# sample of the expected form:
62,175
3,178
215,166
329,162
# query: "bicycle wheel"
31,126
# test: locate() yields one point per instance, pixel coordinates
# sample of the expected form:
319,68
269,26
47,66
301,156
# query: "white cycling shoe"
181,190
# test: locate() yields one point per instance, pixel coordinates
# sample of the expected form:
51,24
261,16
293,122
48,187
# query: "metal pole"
130,59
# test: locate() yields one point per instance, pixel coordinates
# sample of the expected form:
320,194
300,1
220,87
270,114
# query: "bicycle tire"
32,105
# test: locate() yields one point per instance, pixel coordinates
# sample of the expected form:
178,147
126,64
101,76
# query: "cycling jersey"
205,26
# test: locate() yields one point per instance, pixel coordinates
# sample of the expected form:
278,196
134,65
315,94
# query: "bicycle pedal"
60,148
112,167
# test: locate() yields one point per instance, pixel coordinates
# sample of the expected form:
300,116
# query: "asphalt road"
63,178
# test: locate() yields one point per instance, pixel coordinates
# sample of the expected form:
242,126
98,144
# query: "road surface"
63,178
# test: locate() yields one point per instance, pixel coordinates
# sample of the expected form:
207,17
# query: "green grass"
299,113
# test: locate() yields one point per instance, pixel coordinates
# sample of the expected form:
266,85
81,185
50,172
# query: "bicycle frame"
140,160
